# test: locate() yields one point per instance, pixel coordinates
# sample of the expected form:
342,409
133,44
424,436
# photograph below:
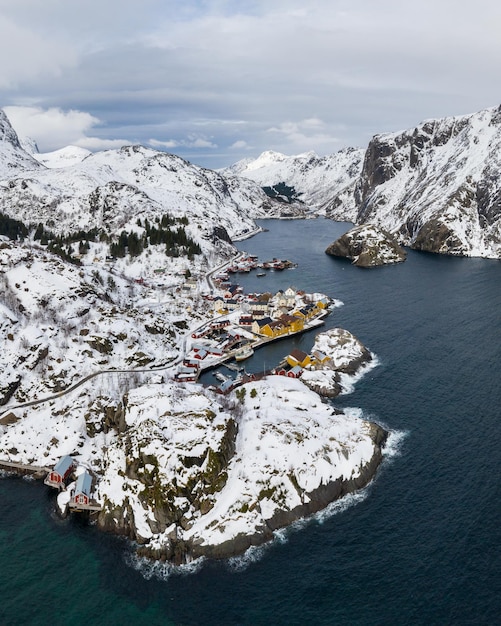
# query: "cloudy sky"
219,80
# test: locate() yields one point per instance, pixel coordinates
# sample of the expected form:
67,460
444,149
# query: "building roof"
264,321
288,319
63,465
298,355
84,484
227,384
319,355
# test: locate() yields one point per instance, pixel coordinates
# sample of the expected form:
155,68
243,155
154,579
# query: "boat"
261,274
244,353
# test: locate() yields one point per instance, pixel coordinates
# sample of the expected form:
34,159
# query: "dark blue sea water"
424,544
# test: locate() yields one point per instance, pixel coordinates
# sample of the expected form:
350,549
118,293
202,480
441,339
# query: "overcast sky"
219,80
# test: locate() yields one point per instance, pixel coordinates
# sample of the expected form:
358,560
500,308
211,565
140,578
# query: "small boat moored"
244,353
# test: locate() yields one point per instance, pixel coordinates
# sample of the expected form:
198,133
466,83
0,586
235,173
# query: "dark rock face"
7,391
220,232
368,246
437,185
435,236
163,499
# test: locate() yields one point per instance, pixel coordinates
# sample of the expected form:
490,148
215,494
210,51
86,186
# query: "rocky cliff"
437,185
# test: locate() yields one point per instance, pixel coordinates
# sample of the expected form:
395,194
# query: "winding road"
170,365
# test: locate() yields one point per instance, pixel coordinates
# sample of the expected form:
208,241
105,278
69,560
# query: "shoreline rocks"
183,551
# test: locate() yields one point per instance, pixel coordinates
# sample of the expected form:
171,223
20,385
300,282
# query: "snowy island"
368,246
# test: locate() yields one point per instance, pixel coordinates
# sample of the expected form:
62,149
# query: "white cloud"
336,71
302,135
239,145
54,128
96,144
28,55
192,141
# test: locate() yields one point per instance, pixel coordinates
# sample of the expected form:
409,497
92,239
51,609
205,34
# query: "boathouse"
62,469
83,488
295,372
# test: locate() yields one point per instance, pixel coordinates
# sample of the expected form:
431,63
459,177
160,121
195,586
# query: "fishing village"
238,324
242,323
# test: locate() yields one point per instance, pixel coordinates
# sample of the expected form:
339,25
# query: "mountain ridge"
434,186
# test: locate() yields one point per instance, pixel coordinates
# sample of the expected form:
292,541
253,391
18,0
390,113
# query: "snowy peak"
13,158
265,159
7,133
323,183
29,145
65,157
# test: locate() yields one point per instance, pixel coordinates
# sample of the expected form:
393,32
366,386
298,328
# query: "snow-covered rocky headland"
339,357
200,474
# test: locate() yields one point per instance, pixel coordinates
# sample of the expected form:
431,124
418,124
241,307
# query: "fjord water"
423,543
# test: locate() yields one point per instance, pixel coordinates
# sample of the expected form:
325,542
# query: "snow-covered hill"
65,157
71,190
325,184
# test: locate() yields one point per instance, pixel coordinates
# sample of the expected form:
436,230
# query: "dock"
24,469
93,505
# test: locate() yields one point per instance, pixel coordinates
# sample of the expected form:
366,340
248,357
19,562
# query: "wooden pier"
24,469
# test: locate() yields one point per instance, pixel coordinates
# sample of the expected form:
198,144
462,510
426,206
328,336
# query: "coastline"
311,500
317,500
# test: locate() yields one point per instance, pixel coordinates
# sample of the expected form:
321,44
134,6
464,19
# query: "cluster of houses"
293,366
61,474
247,320
271,315
297,361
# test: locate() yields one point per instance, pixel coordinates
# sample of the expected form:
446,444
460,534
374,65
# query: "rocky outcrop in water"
338,356
368,246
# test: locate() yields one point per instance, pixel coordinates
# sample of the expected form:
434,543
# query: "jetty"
24,469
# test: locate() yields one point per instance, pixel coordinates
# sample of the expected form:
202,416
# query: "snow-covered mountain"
65,157
437,185
71,190
325,184
14,160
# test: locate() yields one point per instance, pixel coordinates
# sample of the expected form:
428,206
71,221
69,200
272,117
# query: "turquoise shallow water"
422,547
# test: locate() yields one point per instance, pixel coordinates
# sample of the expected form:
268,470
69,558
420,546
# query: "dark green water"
423,543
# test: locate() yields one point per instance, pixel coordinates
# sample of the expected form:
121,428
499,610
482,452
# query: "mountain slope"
324,183
14,160
112,190
437,185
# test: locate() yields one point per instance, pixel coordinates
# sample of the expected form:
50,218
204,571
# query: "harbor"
245,323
